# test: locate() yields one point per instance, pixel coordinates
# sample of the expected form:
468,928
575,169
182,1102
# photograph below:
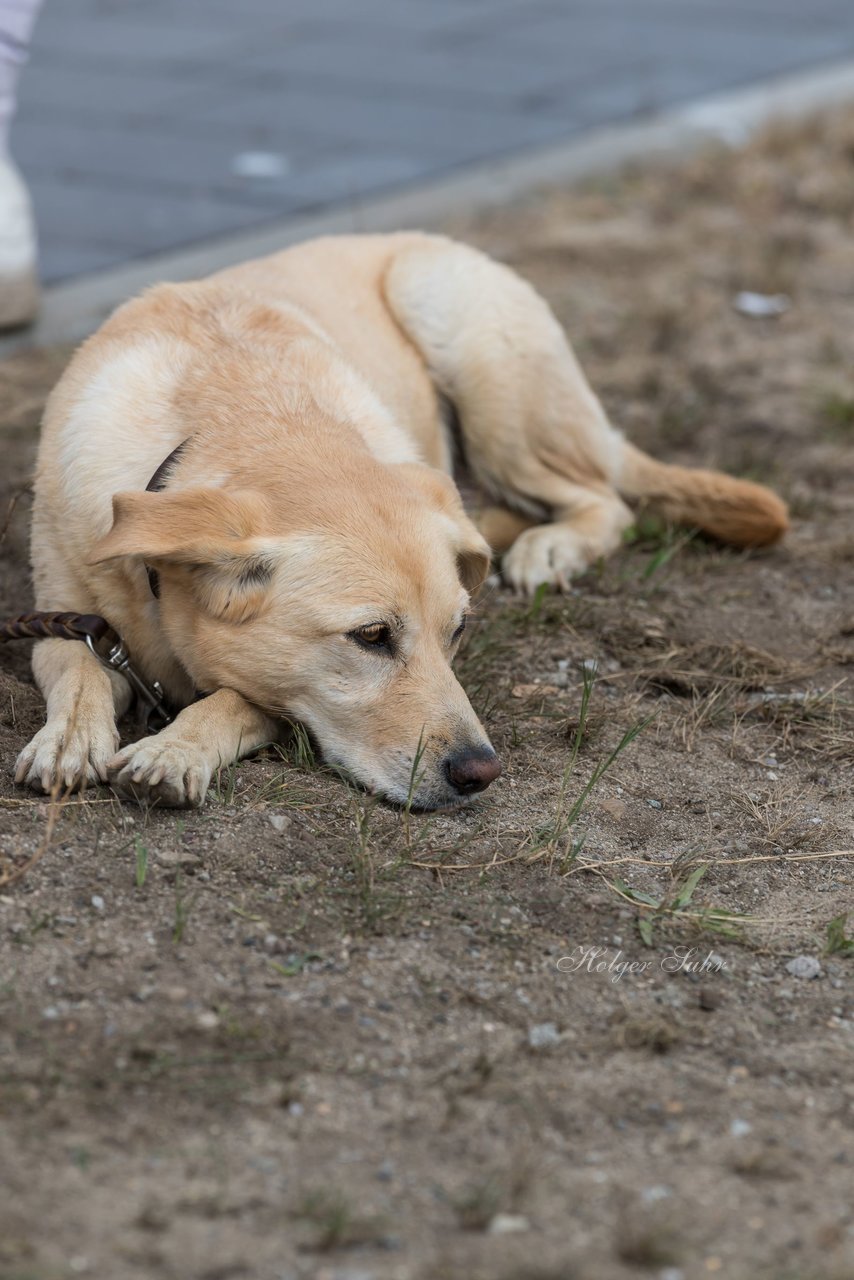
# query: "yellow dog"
312,556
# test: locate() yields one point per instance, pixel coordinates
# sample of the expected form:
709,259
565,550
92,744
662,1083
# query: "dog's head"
339,603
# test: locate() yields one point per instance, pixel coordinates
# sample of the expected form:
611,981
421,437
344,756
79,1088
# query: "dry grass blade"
779,817
596,864
60,797
702,668
12,874
14,499
820,720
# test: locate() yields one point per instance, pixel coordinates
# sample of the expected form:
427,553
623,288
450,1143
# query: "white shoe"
19,286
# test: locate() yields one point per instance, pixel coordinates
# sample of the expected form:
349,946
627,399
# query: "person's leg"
18,274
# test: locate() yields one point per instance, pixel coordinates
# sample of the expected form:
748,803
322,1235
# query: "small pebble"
279,822
654,804
740,1129
543,1036
651,1194
97,902
177,858
804,967
761,306
505,1224
709,999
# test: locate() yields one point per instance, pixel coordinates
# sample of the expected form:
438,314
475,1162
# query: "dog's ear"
473,552
214,536
474,555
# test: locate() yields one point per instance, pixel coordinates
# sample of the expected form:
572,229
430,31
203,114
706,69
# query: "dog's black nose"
472,770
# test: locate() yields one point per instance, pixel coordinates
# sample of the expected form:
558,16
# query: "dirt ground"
574,1031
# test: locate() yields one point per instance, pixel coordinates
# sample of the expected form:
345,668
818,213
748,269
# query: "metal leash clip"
150,699
94,630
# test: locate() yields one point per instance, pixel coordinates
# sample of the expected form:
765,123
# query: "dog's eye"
459,631
376,636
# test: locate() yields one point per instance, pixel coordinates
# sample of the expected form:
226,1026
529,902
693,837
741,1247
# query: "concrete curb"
74,309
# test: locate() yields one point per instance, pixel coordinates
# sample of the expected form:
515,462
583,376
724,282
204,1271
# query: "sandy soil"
300,1035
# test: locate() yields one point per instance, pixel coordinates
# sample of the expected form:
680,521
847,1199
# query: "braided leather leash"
59,626
107,646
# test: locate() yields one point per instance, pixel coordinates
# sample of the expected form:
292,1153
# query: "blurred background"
145,125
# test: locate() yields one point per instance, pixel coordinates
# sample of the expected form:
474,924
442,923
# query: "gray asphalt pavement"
146,125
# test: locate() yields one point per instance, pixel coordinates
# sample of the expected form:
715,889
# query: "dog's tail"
736,511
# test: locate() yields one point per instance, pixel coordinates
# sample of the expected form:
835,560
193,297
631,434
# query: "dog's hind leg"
535,437
83,704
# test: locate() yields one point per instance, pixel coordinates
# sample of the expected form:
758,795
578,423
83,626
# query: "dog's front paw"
66,756
173,773
549,553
